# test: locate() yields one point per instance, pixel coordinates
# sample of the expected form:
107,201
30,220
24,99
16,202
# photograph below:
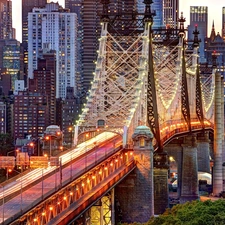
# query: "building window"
142,142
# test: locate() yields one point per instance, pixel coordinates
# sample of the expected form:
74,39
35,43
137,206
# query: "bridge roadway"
41,183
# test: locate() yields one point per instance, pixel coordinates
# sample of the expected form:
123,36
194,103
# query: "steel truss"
119,80
129,88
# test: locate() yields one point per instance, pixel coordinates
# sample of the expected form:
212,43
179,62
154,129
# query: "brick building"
30,114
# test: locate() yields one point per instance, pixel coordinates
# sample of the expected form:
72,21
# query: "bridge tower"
136,193
161,193
218,136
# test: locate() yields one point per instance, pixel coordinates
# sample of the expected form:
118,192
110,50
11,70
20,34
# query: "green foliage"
6,144
192,213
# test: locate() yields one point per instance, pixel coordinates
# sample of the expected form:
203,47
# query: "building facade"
6,30
44,82
171,13
56,27
215,45
223,23
3,119
199,17
158,20
27,7
30,114
71,108
11,63
75,6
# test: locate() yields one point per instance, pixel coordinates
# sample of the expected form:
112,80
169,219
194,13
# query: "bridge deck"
28,198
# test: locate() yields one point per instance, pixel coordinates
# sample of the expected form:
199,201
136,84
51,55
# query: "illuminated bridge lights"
78,188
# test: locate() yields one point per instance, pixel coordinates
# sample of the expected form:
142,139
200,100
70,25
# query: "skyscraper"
158,21
27,6
89,31
75,7
10,62
56,27
6,31
171,13
223,23
44,82
199,17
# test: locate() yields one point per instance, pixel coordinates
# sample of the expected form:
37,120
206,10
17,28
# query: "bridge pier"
189,180
161,189
135,194
203,153
175,150
218,139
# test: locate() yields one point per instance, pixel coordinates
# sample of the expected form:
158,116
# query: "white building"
19,86
57,28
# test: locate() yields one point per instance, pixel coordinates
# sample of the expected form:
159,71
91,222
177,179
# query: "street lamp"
32,146
50,145
71,137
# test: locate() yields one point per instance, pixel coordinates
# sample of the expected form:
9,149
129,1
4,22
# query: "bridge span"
58,194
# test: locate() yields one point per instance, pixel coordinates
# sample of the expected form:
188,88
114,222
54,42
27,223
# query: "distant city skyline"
214,11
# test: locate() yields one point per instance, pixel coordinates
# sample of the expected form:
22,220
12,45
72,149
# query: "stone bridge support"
134,194
203,152
189,176
175,150
218,139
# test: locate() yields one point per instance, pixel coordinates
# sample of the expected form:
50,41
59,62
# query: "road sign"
7,162
22,159
38,162
54,161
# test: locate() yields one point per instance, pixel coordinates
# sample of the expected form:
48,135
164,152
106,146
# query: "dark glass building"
6,31
199,17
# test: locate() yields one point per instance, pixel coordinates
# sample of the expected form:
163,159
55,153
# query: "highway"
46,186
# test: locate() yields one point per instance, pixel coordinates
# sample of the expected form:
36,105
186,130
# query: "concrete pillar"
175,150
217,166
189,183
113,221
222,117
134,194
203,153
161,189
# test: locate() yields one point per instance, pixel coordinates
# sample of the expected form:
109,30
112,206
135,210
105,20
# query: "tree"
6,144
192,213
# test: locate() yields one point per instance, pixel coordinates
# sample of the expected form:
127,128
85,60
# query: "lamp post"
50,144
32,146
71,137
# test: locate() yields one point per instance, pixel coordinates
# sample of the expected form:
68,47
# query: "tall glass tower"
54,28
158,21
223,23
27,6
199,17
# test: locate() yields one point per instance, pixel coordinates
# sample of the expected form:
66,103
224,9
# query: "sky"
214,11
